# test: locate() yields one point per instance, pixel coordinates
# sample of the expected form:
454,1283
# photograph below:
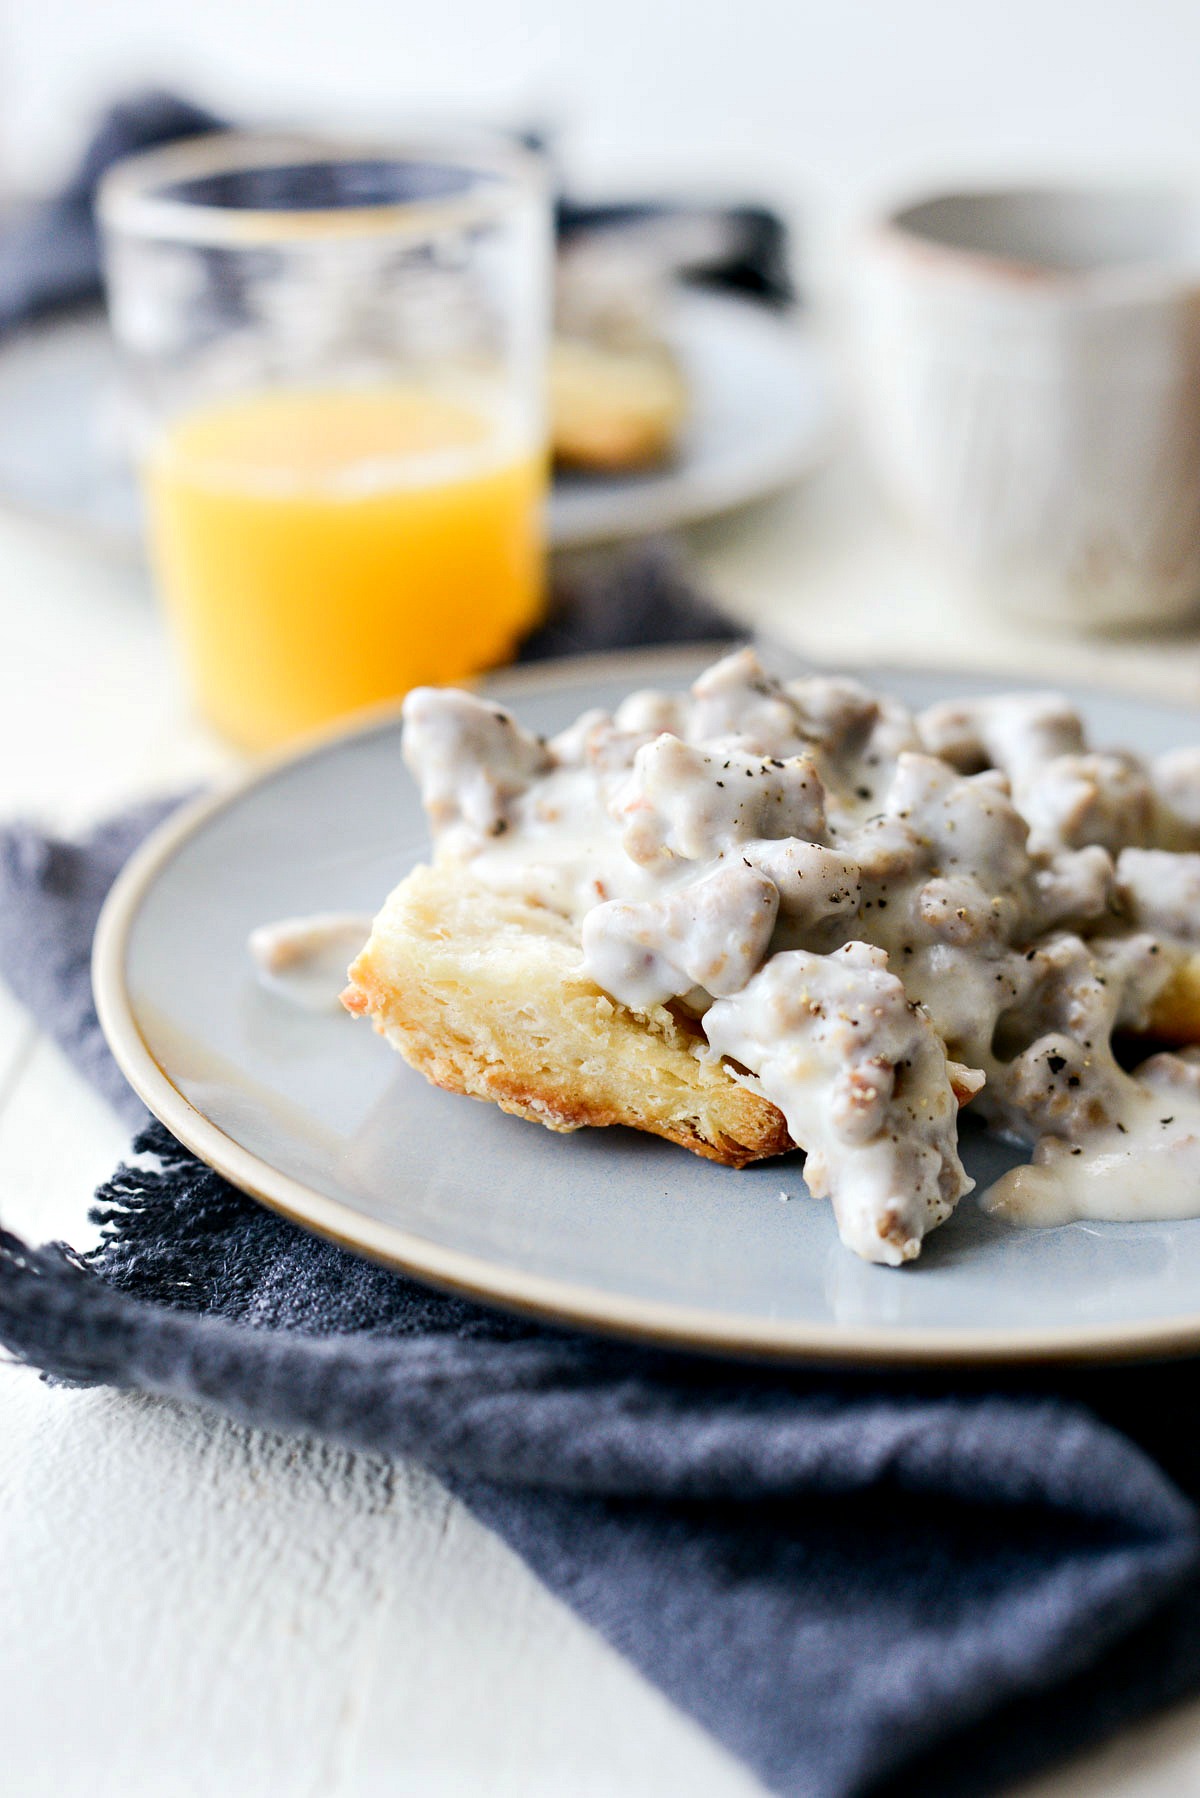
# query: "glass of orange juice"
336,363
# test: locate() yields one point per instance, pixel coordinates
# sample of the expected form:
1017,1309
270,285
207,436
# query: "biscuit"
485,994
1174,1015
613,408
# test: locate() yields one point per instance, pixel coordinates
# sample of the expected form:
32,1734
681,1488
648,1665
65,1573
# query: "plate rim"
563,1302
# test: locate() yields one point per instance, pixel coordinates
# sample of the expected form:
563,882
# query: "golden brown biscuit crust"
1175,1014
486,995
613,409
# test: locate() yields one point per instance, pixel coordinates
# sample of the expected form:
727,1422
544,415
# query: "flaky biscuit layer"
485,994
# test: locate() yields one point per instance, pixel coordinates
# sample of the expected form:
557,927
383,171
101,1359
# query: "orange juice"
323,549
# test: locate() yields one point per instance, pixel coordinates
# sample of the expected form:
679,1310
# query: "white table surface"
193,1607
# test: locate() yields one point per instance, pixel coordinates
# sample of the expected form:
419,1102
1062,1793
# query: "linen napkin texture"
859,1584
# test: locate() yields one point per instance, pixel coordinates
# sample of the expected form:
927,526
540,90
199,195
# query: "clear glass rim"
129,201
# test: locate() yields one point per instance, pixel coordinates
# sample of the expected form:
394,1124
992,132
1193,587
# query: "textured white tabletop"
195,1608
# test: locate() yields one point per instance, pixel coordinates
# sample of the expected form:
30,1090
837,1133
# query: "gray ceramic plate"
760,418
316,1117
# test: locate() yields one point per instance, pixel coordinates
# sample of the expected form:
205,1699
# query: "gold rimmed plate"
313,1115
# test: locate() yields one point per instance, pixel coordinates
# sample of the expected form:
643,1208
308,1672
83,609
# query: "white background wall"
820,101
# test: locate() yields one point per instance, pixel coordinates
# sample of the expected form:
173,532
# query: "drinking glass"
335,359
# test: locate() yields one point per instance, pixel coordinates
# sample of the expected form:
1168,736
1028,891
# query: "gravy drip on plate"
304,960
872,916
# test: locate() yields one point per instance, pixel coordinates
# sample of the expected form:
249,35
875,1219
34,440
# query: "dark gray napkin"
50,252
839,1576
858,1584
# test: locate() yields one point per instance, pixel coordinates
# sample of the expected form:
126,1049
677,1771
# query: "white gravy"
1144,1165
304,960
868,912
